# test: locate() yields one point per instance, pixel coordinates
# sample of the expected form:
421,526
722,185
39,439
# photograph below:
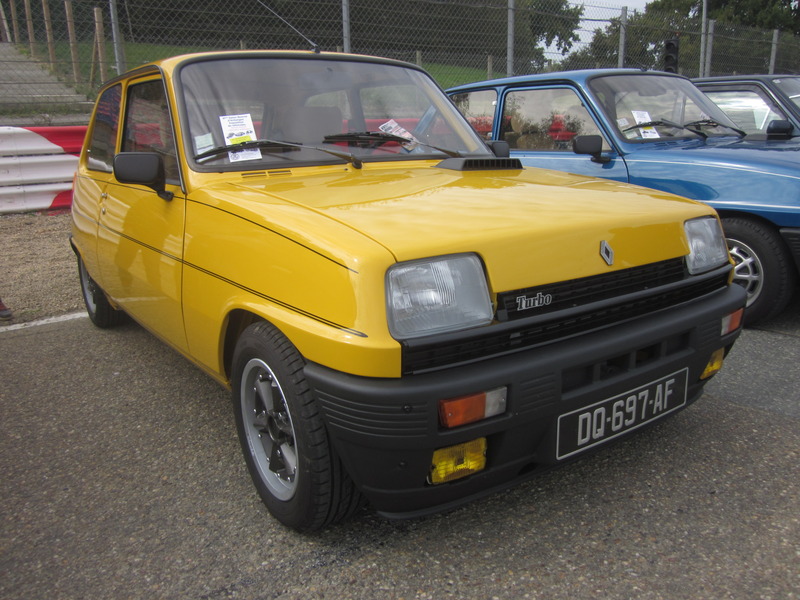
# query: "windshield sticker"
623,122
394,128
203,142
642,116
237,129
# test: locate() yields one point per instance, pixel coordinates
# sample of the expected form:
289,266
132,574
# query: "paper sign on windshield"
642,116
237,129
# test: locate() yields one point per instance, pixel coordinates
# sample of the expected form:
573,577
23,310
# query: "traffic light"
671,48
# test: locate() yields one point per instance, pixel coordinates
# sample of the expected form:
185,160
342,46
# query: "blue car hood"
779,157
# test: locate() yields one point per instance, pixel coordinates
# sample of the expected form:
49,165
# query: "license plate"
592,425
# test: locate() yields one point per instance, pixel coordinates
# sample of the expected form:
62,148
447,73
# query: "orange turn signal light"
732,322
474,407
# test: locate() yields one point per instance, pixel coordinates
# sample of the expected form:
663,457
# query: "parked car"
756,102
658,130
402,316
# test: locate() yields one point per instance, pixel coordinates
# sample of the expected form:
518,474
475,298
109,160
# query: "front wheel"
763,267
98,307
288,454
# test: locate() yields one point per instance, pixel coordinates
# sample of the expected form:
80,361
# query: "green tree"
549,23
763,14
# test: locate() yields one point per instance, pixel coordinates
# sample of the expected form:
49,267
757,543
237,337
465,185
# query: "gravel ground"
51,288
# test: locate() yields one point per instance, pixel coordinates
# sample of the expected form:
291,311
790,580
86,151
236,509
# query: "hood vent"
480,164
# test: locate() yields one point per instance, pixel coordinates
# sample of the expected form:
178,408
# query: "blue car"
660,131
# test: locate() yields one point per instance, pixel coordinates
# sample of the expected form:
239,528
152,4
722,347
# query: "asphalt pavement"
122,478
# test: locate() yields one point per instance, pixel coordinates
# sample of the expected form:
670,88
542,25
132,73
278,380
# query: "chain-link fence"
55,53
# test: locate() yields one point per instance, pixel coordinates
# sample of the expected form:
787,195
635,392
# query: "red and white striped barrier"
37,165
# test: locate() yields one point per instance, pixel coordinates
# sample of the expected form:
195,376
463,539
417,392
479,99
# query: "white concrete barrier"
37,165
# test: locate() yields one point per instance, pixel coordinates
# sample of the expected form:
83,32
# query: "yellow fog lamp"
714,364
474,407
455,462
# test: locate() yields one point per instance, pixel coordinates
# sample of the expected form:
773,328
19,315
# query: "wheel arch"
762,221
237,321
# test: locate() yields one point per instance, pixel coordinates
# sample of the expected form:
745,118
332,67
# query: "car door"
539,123
93,176
140,242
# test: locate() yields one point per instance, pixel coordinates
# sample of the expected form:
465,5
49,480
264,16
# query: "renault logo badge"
607,253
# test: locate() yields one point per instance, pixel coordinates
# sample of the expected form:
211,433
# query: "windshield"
791,87
247,113
646,108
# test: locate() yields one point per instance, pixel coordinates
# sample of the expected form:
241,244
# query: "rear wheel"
763,267
286,447
98,307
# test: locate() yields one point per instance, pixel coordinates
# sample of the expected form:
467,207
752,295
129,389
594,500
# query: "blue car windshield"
648,108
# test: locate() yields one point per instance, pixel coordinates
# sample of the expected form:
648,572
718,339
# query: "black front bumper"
385,430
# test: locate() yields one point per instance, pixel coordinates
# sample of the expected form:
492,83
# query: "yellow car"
404,315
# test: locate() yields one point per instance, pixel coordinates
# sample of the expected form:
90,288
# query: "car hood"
776,156
527,224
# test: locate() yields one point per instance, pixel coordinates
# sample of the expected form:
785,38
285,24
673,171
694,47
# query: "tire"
98,307
763,267
285,444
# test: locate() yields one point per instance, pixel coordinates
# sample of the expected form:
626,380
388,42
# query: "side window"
747,108
148,127
478,107
545,119
103,143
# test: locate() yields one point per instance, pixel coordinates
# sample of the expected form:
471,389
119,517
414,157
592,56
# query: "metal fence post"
623,27
710,44
510,40
774,54
119,50
346,25
703,41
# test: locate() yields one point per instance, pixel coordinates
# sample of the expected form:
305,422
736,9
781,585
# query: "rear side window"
103,143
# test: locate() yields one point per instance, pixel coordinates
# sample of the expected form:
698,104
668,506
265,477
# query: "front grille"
576,292
597,312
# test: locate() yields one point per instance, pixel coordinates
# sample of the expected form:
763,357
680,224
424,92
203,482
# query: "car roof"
580,77
754,77
173,62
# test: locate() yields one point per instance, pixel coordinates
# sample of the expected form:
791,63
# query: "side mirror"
592,145
500,148
142,168
779,129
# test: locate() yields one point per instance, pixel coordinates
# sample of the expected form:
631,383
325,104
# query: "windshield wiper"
665,123
381,137
266,143
712,123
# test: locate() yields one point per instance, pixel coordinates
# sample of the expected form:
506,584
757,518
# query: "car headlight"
706,243
436,295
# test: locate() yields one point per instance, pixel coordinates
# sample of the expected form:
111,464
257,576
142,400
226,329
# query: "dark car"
658,130
756,102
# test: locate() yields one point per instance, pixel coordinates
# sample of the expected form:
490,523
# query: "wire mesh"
56,53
